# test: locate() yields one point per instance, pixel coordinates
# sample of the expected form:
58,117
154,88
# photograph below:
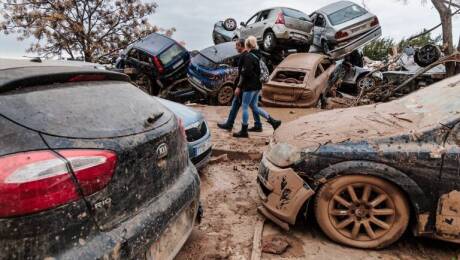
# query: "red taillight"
35,181
280,19
375,22
158,64
341,34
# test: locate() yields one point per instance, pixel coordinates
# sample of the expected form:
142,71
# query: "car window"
263,16
252,19
170,54
320,21
221,52
295,13
346,14
144,57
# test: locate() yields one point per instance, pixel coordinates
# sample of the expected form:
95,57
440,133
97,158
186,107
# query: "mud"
448,216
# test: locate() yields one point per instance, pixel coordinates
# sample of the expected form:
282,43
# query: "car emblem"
162,151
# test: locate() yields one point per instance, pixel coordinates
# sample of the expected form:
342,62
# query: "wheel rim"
427,54
230,24
362,212
366,83
225,95
268,41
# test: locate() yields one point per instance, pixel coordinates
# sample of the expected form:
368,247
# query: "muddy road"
230,200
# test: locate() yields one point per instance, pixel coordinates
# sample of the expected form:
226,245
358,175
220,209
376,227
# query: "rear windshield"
346,14
201,60
220,53
292,77
295,14
170,54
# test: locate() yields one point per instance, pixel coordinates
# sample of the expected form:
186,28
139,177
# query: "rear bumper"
131,239
354,44
283,193
285,34
284,97
194,149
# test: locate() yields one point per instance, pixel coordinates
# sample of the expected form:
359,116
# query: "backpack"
264,72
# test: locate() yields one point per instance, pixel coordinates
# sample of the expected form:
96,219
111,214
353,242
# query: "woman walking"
250,86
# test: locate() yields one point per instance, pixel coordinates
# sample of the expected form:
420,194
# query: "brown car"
299,81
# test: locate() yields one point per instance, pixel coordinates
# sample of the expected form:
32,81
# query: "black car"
368,172
91,167
155,62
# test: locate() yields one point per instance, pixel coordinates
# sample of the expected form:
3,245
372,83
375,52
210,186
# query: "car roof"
334,7
25,73
154,43
305,61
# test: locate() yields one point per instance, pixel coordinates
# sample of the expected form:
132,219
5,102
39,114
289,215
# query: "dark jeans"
236,104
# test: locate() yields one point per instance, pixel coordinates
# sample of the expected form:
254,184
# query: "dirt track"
230,199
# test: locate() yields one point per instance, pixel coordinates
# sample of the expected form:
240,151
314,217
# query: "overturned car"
367,172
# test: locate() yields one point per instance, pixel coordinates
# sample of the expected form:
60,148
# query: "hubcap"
362,212
268,41
230,24
366,83
225,95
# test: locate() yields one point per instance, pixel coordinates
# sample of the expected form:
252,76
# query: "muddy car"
368,172
155,62
341,27
299,81
212,72
91,167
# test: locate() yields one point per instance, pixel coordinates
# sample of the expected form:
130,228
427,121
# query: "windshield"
201,60
170,54
346,14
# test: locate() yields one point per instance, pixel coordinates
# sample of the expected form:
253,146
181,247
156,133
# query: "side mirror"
243,24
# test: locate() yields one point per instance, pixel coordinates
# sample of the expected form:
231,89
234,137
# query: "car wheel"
269,41
366,83
362,211
225,96
427,55
229,24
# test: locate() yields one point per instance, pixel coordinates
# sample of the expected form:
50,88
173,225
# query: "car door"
247,30
261,24
448,213
318,29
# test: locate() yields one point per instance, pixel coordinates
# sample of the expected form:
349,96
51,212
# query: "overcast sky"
194,19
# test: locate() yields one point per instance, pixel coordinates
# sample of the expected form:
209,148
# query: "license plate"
174,237
200,149
178,64
360,28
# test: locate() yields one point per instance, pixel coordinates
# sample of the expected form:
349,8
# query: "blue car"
197,131
212,72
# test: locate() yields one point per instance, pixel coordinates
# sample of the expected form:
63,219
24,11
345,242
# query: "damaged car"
91,167
342,27
299,81
213,71
225,31
369,172
155,62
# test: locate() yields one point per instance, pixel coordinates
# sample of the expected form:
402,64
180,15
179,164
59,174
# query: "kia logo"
162,151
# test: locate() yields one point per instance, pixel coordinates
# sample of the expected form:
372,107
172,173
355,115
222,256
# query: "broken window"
252,19
319,21
264,15
293,77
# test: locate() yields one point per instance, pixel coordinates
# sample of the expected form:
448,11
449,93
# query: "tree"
85,28
378,49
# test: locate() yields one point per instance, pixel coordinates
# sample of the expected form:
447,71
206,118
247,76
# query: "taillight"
280,19
341,34
158,64
35,181
375,22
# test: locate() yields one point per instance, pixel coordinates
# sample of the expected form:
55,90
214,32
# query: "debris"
275,245
256,242
219,159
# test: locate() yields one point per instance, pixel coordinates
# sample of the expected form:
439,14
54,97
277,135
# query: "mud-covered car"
91,167
342,27
155,62
367,172
298,81
212,72
197,132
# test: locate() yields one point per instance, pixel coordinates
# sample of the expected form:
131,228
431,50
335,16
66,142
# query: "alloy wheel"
225,95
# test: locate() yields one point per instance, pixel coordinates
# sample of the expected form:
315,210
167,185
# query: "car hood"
188,115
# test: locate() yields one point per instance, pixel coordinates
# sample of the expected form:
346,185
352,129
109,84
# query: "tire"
229,24
224,96
365,83
352,221
269,41
427,55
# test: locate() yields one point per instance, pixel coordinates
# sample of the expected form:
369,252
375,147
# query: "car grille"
196,133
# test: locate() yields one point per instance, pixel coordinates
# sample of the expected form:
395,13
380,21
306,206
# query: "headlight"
283,155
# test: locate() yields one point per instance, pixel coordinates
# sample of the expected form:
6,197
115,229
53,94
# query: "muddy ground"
230,200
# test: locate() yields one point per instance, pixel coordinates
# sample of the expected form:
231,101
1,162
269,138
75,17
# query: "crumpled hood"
353,124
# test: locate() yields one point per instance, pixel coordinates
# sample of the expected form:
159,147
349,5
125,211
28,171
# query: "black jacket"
249,71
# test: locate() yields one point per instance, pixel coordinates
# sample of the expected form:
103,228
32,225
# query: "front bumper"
151,226
282,191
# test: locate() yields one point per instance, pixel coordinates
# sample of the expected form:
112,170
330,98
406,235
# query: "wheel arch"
416,197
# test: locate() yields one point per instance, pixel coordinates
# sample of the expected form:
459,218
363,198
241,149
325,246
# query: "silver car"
279,26
341,27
